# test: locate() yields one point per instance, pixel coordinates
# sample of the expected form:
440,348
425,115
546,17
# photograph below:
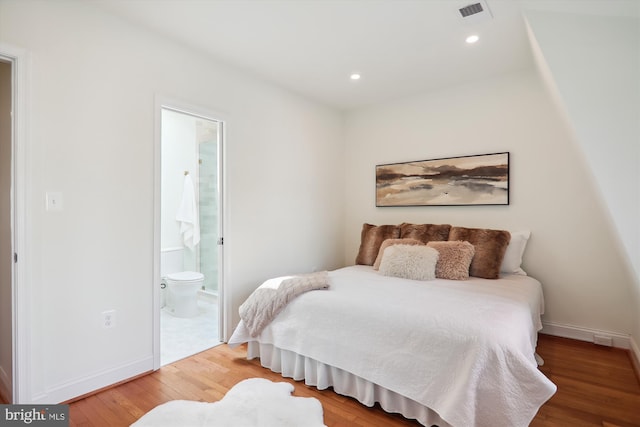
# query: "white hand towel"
188,215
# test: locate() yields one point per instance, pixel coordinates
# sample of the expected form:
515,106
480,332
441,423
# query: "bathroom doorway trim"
20,283
163,102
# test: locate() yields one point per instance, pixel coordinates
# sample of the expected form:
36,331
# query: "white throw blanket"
465,349
188,215
273,295
255,402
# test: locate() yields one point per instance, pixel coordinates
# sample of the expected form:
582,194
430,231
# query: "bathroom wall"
179,155
207,137
189,144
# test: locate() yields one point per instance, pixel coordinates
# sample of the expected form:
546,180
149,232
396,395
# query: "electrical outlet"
108,319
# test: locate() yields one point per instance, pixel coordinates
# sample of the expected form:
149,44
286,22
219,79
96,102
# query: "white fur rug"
255,402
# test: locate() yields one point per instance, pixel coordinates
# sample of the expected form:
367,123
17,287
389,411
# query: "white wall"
91,137
592,68
572,250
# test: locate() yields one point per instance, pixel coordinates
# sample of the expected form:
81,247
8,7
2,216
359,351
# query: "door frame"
163,102
20,283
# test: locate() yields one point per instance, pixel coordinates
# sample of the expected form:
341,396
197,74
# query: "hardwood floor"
596,387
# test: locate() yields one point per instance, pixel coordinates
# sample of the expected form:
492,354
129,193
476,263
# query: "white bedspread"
462,348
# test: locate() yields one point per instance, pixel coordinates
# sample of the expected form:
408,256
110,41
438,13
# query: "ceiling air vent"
475,12
472,9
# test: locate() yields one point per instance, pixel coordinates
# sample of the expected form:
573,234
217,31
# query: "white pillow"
513,255
415,262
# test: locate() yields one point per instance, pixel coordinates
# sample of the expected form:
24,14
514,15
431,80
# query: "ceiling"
400,47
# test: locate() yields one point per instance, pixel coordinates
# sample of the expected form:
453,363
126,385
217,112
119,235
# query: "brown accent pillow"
425,232
490,246
455,259
371,238
391,242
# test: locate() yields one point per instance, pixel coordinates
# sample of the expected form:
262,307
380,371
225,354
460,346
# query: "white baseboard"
585,334
72,389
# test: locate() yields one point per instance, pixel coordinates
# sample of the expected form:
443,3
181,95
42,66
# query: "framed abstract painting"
454,181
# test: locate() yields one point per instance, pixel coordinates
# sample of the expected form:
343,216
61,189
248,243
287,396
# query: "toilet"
182,297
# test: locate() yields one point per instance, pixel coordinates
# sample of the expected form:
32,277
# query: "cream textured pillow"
454,260
391,242
415,262
513,255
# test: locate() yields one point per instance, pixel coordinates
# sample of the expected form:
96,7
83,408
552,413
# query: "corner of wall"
579,333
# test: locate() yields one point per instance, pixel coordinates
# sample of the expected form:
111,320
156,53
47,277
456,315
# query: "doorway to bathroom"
190,233
6,227
15,291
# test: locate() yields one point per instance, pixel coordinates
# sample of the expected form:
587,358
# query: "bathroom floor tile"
180,337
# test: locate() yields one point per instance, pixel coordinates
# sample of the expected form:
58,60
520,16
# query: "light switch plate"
54,201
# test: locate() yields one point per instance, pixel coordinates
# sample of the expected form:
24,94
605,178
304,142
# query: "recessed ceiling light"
472,39
355,76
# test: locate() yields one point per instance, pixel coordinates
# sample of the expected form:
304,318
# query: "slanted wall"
591,64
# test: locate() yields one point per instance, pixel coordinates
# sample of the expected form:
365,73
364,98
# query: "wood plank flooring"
596,387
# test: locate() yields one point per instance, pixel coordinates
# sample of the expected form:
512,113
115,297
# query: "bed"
450,353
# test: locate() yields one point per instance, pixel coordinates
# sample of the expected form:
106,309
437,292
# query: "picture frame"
475,180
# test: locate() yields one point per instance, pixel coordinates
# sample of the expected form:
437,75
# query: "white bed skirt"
317,374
